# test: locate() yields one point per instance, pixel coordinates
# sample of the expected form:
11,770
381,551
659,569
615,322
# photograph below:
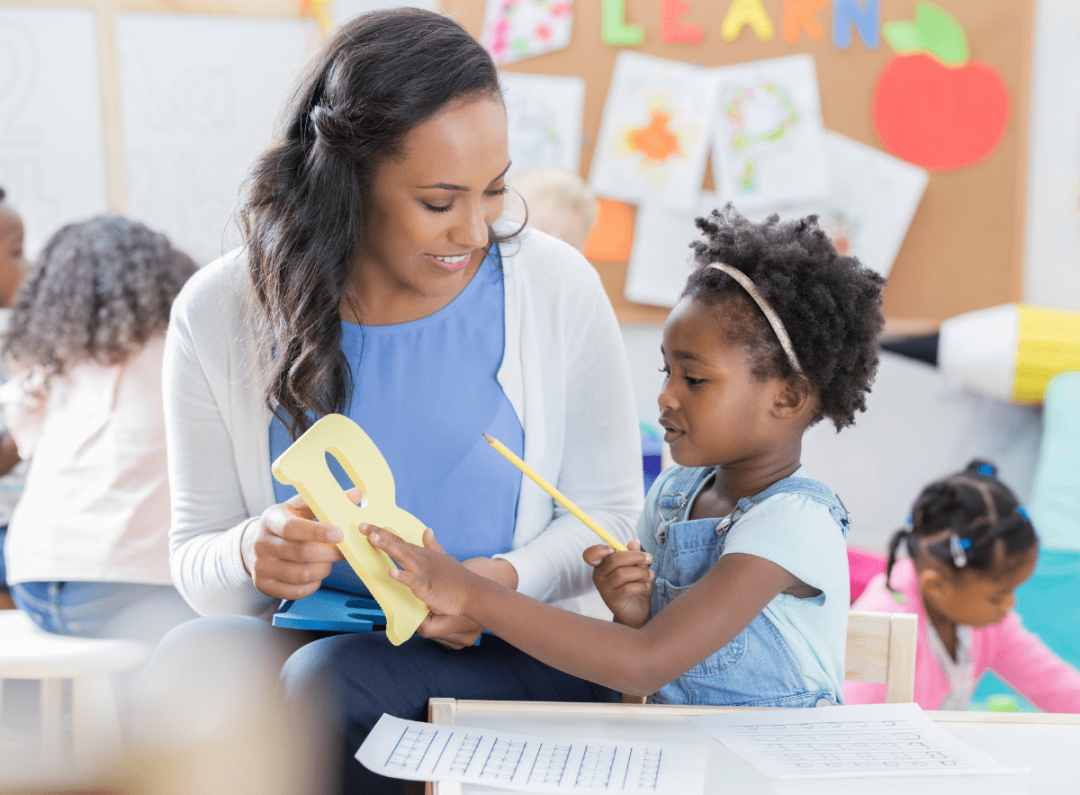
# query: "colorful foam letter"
799,16
671,29
614,29
865,15
304,466
747,12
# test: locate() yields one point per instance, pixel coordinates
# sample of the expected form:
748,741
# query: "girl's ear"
793,397
933,586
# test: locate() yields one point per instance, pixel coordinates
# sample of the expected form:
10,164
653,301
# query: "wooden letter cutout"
304,466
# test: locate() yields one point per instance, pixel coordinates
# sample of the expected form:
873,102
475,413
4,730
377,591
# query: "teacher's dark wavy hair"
302,207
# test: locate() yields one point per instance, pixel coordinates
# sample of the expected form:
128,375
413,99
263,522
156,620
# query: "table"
1049,744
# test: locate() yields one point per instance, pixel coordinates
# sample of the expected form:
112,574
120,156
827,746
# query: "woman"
375,282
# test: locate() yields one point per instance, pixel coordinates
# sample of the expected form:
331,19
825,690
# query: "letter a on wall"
304,466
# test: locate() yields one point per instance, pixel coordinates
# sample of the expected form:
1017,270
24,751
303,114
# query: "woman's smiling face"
429,209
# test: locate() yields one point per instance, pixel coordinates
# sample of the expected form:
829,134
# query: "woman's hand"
287,551
624,580
438,581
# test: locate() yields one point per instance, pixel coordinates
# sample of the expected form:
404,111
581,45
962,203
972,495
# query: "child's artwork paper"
872,202
517,29
545,117
418,751
653,139
660,259
769,144
858,740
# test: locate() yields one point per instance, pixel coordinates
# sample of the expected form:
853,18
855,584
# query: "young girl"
970,545
738,590
87,548
12,268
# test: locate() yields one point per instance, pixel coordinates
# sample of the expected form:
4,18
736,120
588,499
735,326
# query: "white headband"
770,315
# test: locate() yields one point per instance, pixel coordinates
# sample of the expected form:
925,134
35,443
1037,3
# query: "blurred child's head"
555,201
12,258
99,291
972,544
734,389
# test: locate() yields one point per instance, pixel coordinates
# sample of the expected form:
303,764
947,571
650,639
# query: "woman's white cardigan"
564,370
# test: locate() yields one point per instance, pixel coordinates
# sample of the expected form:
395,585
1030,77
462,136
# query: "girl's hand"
436,578
624,580
287,551
459,632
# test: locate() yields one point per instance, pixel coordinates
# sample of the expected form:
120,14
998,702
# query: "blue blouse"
426,392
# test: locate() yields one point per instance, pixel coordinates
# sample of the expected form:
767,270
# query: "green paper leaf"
934,31
942,34
902,36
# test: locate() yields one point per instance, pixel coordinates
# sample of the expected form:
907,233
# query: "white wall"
1052,256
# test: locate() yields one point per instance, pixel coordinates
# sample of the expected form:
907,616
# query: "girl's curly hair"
830,304
99,291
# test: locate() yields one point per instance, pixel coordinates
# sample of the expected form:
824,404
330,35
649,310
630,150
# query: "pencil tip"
488,438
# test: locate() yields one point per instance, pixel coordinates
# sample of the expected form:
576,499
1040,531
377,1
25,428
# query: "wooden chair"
880,648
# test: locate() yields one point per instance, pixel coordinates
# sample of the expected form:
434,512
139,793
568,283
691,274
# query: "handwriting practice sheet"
857,740
427,752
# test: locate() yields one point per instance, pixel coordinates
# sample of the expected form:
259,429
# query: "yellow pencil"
554,492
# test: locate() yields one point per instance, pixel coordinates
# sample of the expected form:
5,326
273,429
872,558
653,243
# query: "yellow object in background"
1010,352
304,466
1049,344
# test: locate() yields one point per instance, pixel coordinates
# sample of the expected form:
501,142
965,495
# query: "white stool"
28,652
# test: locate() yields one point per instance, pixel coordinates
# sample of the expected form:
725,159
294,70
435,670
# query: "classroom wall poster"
49,90
199,95
873,199
660,260
768,144
653,139
545,117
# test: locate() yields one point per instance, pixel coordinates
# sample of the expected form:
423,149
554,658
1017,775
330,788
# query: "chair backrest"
881,648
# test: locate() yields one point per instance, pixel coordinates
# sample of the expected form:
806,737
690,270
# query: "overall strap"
806,487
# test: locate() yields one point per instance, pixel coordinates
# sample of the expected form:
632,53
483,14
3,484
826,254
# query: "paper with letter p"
304,467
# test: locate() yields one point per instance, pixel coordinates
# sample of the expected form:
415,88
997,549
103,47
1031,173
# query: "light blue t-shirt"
426,392
792,654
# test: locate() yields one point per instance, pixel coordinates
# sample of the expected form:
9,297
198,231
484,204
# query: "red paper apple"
933,106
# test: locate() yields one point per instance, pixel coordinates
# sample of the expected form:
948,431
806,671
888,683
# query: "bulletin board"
965,247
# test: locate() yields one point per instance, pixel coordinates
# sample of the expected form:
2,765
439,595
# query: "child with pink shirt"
970,545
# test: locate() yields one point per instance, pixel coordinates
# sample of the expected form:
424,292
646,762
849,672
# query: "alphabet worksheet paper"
428,752
857,740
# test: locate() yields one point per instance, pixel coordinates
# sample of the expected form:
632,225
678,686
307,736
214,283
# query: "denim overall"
755,668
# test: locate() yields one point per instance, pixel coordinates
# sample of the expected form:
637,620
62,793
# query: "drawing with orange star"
652,143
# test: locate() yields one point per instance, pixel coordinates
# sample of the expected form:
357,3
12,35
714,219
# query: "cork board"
965,247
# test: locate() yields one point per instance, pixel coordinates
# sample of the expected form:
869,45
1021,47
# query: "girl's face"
713,410
430,208
12,260
975,598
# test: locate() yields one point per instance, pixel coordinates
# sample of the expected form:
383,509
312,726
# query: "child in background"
87,548
970,546
552,200
12,269
738,590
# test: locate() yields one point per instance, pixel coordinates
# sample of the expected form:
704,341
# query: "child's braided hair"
970,520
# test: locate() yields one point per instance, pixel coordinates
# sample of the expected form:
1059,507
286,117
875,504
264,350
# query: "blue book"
329,610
